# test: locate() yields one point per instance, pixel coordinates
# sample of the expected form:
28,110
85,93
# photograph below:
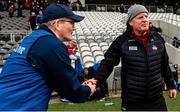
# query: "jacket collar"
44,27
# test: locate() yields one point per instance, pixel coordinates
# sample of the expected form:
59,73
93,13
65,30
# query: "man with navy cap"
40,64
144,64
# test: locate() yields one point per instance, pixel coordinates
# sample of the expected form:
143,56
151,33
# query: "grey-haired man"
144,64
41,64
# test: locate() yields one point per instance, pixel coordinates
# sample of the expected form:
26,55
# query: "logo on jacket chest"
133,48
154,48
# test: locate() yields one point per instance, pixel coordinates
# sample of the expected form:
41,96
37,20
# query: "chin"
68,38
145,29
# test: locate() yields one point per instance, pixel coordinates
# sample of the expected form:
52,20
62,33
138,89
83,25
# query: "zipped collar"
44,27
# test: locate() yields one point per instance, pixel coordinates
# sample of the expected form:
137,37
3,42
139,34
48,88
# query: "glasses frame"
65,20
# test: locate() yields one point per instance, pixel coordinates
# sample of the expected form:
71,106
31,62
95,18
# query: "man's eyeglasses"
65,20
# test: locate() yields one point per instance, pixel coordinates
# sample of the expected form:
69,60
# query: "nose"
73,27
145,18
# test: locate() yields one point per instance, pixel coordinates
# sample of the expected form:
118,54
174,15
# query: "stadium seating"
14,23
94,34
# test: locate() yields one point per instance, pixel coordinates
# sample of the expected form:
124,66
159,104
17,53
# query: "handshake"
98,89
92,84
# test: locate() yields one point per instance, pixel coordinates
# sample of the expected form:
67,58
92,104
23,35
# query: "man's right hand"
92,84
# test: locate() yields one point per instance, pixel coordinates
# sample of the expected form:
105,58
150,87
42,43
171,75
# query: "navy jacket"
37,66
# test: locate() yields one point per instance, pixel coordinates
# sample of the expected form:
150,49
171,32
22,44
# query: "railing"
174,21
13,35
116,8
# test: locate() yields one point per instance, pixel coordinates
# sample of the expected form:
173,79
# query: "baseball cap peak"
55,11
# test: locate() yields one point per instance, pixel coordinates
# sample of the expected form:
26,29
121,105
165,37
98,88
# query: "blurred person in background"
145,64
32,20
11,11
72,49
26,4
154,28
40,64
39,18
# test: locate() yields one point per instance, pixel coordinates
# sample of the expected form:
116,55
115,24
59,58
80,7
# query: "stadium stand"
15,23
94,34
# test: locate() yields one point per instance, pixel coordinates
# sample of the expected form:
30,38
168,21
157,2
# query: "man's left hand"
172,94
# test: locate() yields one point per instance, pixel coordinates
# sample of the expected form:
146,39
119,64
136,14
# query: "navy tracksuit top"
39,64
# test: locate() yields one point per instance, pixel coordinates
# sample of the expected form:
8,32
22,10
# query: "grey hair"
50,24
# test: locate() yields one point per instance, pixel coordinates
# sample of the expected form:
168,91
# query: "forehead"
141,14
66,18
85,69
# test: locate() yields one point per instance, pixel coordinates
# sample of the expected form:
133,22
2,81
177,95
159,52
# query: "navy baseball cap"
55,11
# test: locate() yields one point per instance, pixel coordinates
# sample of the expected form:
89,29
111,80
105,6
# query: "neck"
55,33
140,33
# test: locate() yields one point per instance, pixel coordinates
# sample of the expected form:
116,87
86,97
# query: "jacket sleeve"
111,59
53,63
166,72
66,75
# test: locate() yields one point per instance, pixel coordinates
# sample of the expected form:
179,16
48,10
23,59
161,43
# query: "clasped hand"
92,84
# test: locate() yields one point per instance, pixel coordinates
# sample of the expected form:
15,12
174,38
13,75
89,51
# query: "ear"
58,25
130,23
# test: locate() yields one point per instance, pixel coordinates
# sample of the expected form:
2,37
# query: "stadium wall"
170,30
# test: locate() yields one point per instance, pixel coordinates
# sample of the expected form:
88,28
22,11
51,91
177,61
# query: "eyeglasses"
70,21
